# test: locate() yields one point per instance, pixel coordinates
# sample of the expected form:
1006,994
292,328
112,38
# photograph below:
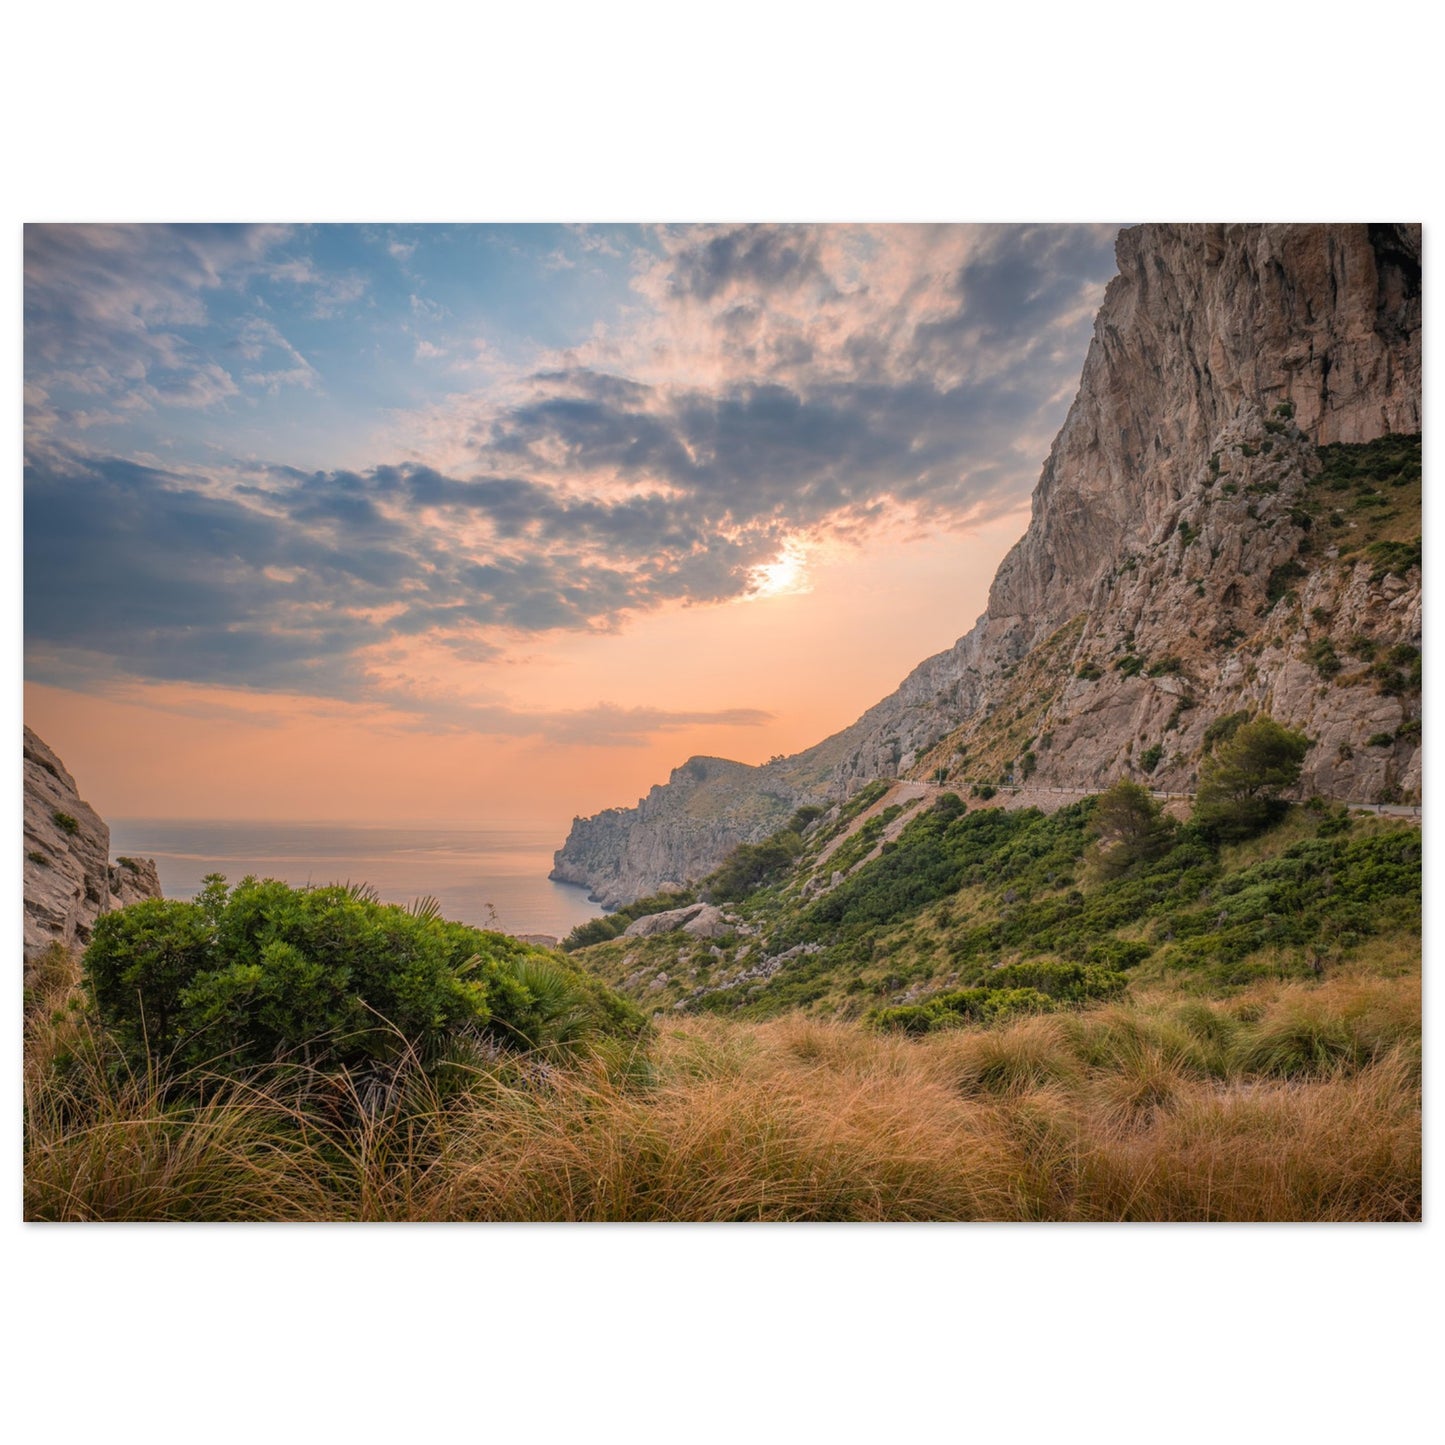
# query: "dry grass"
1289,1102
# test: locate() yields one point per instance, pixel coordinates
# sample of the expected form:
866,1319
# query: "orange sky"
815,659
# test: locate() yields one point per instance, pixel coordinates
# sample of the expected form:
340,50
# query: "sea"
491,878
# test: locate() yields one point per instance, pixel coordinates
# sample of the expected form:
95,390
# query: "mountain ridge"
1191,478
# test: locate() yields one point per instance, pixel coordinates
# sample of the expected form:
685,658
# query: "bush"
1089,671
327,976
750,865
610,925
65,823
1281,579
1322,656
1223,728
962,1006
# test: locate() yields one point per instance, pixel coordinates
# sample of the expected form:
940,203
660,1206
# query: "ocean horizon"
487,877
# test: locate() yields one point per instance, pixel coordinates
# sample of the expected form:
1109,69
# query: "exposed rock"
682,829
132,880
708,922
652,924
701,920
69,879
1222,357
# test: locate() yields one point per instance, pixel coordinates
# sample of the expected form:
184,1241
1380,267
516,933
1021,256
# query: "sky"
476,524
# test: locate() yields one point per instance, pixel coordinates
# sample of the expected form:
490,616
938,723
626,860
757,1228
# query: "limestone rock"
69,880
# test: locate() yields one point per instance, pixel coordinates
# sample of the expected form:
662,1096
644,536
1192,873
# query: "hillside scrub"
961,898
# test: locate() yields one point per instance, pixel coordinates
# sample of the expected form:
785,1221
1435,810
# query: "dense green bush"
750,865
325,976
1323,657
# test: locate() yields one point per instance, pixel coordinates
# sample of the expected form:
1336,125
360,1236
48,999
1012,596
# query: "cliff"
69,879
1192,552
682,828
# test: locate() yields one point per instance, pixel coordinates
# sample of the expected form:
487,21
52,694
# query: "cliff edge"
69,878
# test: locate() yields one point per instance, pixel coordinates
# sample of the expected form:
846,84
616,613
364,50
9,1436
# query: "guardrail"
1394,810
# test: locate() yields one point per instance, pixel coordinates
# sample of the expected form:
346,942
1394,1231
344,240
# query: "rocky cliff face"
681,829
1191,552
69,879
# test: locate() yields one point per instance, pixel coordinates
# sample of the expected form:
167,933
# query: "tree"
1130,827
1240,786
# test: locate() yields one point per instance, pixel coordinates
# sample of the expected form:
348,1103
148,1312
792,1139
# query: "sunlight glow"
787,574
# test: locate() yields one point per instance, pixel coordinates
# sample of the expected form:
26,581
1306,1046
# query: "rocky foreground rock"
69,878
1172,572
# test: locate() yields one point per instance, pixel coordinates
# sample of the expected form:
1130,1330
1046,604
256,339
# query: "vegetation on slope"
1050,910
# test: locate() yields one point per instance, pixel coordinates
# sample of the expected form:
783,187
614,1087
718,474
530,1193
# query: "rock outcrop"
69,878
1181,563
682,828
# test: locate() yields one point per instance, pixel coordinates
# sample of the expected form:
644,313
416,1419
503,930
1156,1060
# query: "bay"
491,878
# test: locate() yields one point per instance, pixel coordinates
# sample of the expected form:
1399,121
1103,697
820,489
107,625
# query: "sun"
786,573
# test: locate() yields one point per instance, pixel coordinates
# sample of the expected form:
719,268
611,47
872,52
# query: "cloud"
773,386
125,315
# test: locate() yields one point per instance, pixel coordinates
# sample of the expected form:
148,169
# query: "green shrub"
324,976
1322,656
962,1006
1089,671
65,823
1130,665
751,865
611,925
1381,740
1281,579
1149,759
809,813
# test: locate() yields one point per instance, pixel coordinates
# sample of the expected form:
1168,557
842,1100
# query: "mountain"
69,878
1228,521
